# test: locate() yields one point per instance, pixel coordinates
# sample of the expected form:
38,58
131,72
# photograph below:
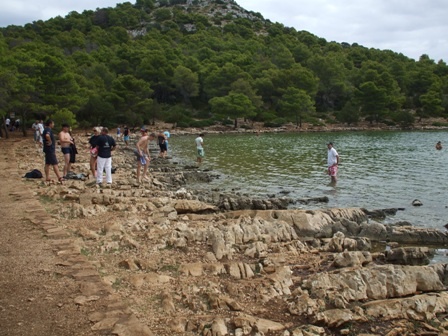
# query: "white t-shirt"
332,157
199,142
40,128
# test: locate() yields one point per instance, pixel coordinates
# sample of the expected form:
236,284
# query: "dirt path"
35,299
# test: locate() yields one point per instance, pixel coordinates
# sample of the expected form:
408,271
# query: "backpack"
35,173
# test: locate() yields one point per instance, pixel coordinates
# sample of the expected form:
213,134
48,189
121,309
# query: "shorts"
66,150
138,156
333,170
126,138
50,158
162,147
201,152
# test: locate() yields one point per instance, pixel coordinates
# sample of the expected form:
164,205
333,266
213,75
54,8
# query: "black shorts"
162,147
66,150
50,158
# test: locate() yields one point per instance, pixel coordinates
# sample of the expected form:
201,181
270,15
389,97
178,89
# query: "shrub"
440,124
278,122
182,124
228,122
202,123
246,126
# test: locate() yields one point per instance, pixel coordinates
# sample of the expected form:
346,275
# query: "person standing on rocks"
332,162
66,142
49,148
118,132
105,144
200,148
93,150
35,127
143,157
126,136
167,136
161,140
40,127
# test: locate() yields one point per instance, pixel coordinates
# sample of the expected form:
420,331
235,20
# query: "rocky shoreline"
203,262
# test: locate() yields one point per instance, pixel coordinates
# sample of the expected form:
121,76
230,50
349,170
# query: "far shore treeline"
195,63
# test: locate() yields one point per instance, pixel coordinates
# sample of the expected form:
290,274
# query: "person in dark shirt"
49,148
161,140
105,144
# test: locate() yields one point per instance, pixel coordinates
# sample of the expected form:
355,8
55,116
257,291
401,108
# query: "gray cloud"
20,12
410,27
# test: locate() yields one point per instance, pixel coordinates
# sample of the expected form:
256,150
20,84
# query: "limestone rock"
193,206
131,327
419,307
167,302
375,283
303,305
352,259
219,328
246,322
410,255
337,317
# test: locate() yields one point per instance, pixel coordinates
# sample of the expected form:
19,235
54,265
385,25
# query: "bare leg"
66,164
333,181
139,166
56,171
93,166
47,172
145,169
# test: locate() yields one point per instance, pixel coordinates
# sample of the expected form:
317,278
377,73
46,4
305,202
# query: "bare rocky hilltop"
159,258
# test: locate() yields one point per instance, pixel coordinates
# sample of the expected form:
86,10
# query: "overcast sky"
411,27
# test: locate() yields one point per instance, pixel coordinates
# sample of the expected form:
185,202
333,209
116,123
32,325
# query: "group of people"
102,145
45,136
38,128
162,139
12,125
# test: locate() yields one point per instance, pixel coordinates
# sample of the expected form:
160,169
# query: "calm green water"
377,170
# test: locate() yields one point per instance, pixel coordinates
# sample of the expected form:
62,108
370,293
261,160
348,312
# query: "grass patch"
85,252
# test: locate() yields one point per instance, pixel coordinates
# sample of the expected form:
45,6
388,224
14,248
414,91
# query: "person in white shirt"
35,128
40,127
332,162
200,148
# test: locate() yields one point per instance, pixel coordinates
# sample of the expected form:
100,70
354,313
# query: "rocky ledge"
185,262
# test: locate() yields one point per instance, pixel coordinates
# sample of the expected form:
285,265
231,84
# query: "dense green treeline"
198,62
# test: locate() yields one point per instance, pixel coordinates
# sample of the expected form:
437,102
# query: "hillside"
199,63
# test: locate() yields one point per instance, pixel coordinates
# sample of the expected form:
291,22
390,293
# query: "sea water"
378,170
